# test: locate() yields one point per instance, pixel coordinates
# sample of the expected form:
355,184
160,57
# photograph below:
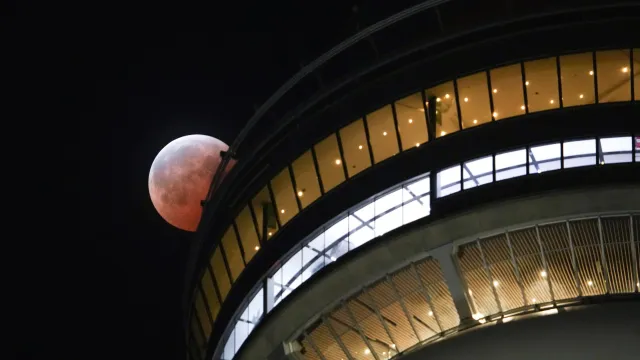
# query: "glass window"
361,228
203,316
545,158
210,293
412,122
577,79
336,239
313,258
616,149
265,214
355,148
329,162
446,111
511,164
614,76
241,332
579,153
388,212
473,94
232,252
636,74
542,84
478,172
306,179
286,203
637,148
196,331
449,181
248,234
229,347
220,273
508,98
416,201
382,132
256,308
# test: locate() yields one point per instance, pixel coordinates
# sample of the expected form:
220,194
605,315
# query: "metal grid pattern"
401,310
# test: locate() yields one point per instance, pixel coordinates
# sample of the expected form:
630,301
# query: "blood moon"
180,178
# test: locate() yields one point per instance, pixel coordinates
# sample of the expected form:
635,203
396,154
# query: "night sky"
132,77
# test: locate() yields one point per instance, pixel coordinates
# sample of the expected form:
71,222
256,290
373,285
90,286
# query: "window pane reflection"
449,181
265,214
382,132
248,234
511,164
355,147
508,98
474,100
616,150
306,179
542,84
412,123
232,252
446,111
285,195
388,212
545,158
478,172
579,153
577,83
614,76
329,162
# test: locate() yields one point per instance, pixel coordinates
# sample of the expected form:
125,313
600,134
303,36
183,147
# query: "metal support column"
444,255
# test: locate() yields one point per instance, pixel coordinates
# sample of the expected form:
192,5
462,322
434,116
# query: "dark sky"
130,77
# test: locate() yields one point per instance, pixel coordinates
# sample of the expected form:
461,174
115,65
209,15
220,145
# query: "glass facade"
495,94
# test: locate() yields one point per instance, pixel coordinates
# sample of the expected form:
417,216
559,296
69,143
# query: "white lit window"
229,347
579,153
336,239
388,211
478,172
449,181
420,187
616,150
545,158
511,164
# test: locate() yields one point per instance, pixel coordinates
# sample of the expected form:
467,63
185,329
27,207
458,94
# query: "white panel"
446,178
511,164
312,266
317,243
337,231
420,187
615,144
361,236
229,347
291,268
256,307
388,202
579,147
482,171
414,210
547,157
366,212
389,221
241,333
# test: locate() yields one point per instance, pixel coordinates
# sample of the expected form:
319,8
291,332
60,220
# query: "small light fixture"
282,211
466,99
602,162
300,193
393,346
495,283
338,162
590,283
438,99
443,133
581,96
590,72
495,91
257,248
624,69
367,351
360,147
543,273
495,114
475,121
430,313
446,96
526,83
551,101
417,144
533,300
522,107
384,133
270,233
410,121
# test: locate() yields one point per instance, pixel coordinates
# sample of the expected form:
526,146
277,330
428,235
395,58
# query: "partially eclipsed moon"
180,177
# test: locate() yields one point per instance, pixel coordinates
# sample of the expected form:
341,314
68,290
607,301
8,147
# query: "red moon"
180,177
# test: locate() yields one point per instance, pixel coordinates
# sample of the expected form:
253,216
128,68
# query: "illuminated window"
448,181
220,273
306,179
478,172
210,293
248,234
636,74
388,212
412,123
313,258
577,84
355,147
579,153
265,214
545,158
285,195
329,162
508,98
446,112
382,132
473,95
416,200
232,252
542,89
361,225
614,75
511,164
616,150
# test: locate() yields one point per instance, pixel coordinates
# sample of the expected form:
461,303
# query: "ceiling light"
496,283
446,96
475,121
581,96
257,248
270,233
421,110
522,107
367,351
526,83
602,162
533,300
551,101
333,258
384,133
410,121
507,319
338,162
466,99
590,283
477,316
495,91
393,346
625,69
590,72
282,211
430,313
495,114
360,147
443,133
543,273
300,193
417,144
470,292
437,99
